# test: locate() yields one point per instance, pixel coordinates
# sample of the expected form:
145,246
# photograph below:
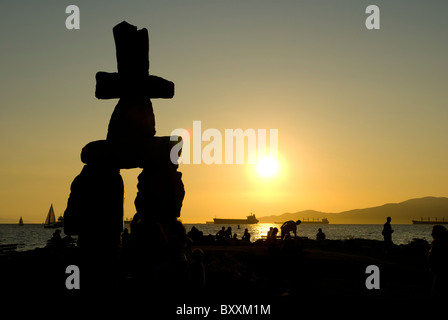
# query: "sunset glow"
267,167
360,113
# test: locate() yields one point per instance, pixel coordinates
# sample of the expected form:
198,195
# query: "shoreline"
33,236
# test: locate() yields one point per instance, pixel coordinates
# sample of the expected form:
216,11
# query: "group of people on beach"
222,236
227,234
58,242
287,228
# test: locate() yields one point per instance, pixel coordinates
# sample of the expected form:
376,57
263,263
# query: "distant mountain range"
403,212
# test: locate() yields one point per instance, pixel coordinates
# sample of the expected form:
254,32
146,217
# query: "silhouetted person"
246,235
438,262
56,240
387,234
235,236
269,233
290,226
221,234
272,241
195,234
320,235
273,236
288,245
228,233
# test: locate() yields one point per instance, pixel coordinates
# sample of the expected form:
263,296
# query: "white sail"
50,217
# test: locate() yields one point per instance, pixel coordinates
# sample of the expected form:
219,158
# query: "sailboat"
21,222
51,222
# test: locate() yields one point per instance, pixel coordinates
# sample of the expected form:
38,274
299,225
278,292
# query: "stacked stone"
95,205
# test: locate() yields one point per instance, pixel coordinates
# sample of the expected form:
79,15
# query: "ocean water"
28,236
31,236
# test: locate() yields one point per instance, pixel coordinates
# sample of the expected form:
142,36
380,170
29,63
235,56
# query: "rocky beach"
313,271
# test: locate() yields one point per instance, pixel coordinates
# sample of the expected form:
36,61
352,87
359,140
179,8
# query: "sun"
267,166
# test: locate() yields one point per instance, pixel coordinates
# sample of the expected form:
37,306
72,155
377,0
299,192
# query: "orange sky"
361,115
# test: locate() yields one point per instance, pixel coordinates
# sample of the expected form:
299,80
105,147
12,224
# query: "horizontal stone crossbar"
125,154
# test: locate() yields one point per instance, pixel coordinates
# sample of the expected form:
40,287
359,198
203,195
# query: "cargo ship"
308,221
251,219
317,221
443,221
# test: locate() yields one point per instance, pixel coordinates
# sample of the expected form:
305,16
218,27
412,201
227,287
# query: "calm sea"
33,236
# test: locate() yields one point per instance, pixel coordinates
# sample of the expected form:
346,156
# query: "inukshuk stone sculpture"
95,205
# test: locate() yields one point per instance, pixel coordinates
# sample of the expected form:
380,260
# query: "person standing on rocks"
387,234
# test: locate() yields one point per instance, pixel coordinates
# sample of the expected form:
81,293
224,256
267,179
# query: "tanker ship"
251,219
